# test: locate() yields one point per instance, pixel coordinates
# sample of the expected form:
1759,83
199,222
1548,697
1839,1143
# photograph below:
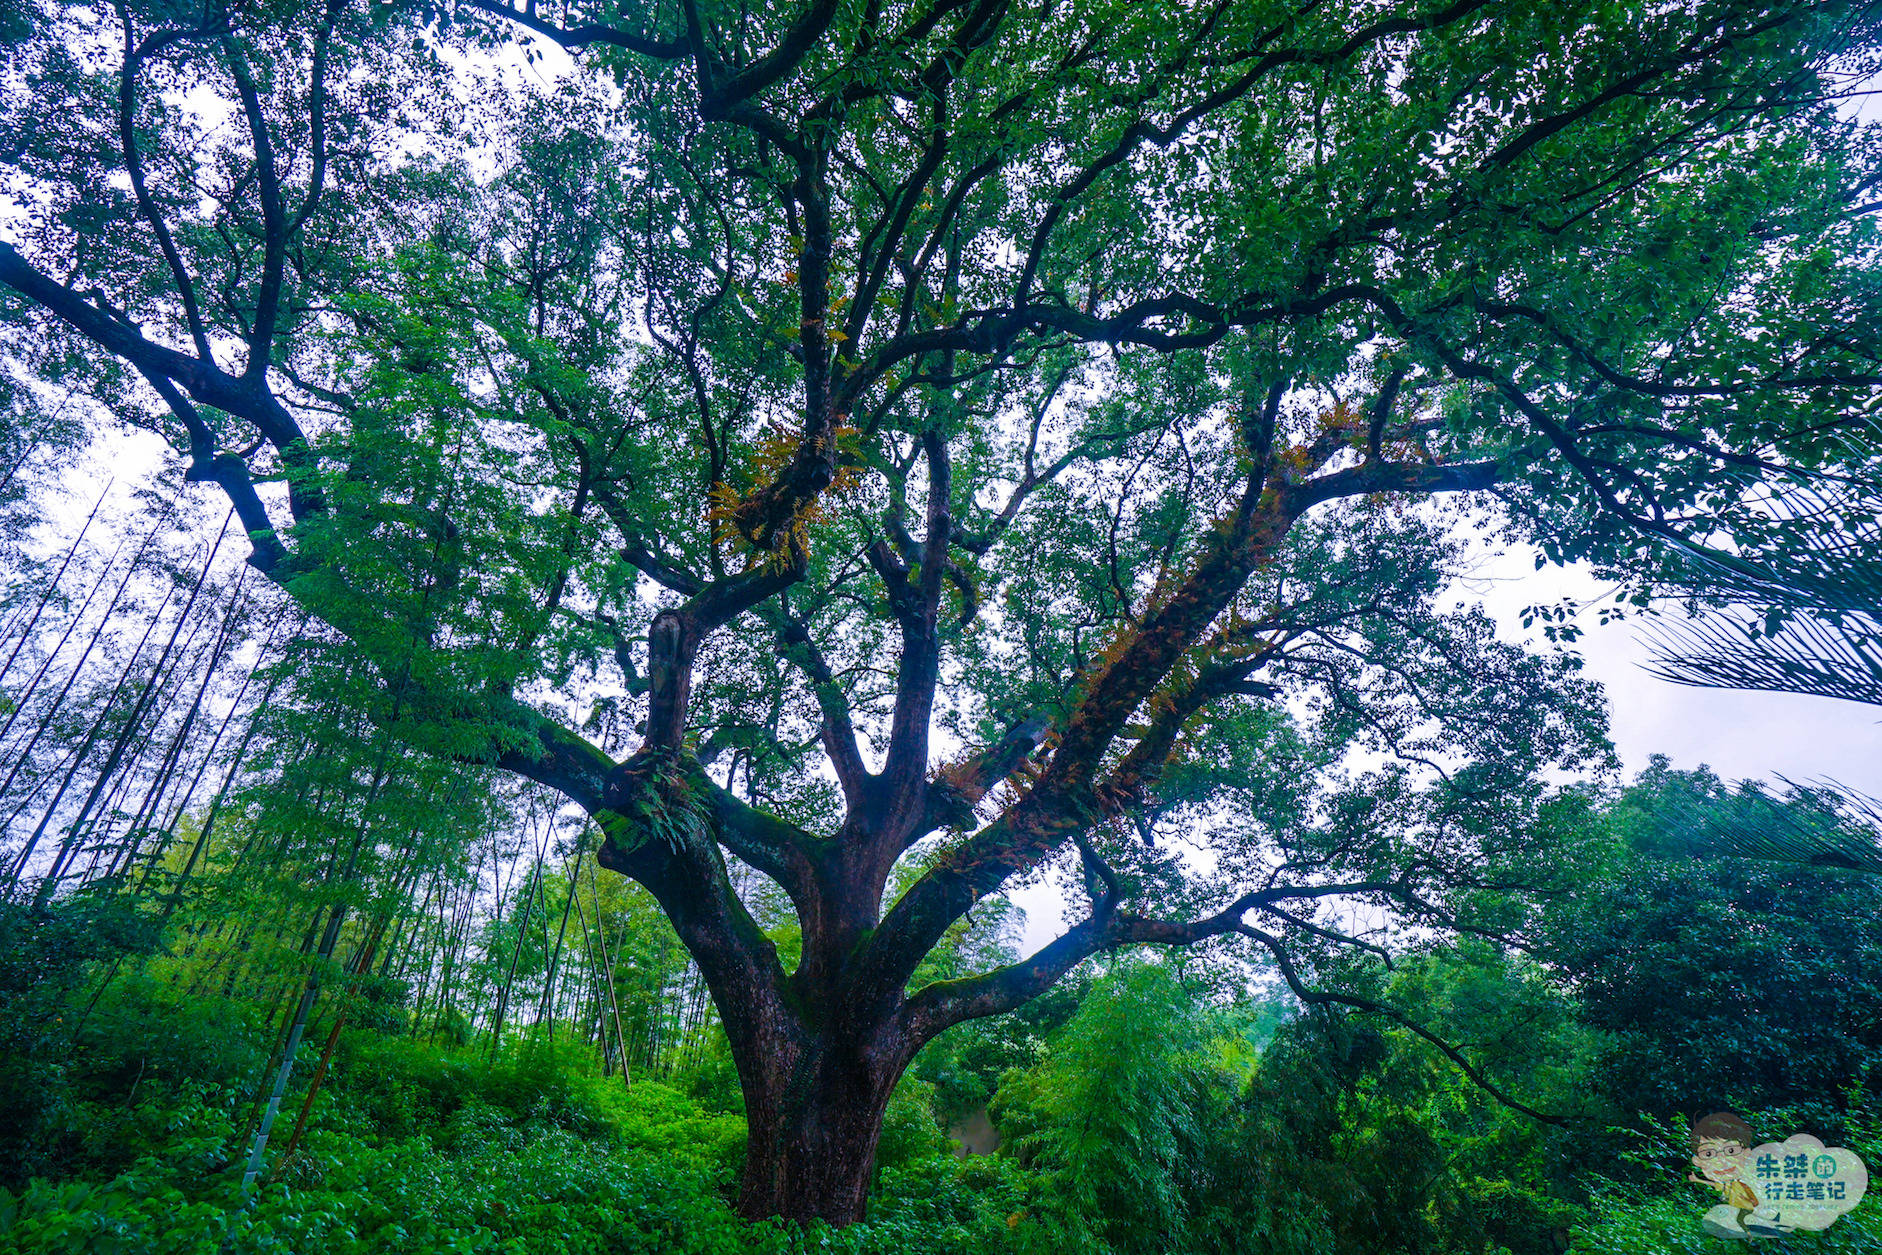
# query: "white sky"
1740,735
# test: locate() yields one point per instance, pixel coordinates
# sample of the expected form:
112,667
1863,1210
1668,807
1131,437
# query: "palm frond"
1800,611
1825,824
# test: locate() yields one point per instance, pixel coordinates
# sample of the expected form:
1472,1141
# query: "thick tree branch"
135,54
906,762
674,638
274,224
246,397
944,1003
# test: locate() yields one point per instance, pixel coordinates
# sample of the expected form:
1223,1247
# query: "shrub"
910,1132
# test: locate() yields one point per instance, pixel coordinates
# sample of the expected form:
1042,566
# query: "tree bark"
814,1121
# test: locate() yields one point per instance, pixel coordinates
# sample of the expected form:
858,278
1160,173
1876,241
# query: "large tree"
933,443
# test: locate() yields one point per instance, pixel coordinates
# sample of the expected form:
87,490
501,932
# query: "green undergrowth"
484,1188
419,1150
1634,1221
514,1193
140,1127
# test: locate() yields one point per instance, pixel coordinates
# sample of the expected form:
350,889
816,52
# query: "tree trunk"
813,1127
818,1050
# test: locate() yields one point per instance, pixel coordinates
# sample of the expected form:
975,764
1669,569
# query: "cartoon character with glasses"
1721,1142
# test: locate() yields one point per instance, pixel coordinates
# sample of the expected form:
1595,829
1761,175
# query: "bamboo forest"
1198,627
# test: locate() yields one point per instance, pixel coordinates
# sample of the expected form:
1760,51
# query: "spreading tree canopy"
906,446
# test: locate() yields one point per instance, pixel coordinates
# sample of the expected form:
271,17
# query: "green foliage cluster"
1112,1102
1767,978
1330,1134
45,956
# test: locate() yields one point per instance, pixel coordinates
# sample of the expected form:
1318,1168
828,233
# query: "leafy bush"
144,1031
910,1132
712,1077
398,1087
46,953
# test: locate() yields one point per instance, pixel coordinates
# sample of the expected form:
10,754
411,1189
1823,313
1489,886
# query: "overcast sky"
1740,735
